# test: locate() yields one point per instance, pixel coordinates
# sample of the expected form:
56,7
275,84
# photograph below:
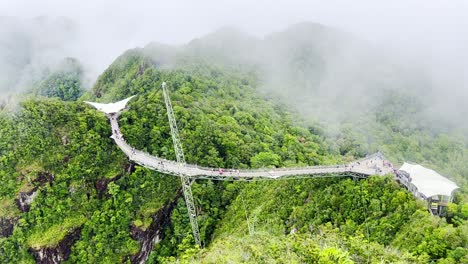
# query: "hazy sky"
433,33
177,21
438,29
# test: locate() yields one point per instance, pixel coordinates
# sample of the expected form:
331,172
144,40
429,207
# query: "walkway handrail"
358,167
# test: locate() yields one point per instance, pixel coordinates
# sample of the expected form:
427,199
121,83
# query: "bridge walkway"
375,164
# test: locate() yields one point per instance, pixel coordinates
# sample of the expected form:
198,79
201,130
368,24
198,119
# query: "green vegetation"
61,150
8,209
64,83
54,234
361,218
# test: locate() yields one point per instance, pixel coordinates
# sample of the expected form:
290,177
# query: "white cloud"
435,30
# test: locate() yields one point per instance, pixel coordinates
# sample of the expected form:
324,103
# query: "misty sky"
178,21
433,33
112,26
428,33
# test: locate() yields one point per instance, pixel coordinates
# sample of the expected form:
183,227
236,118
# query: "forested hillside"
32,48
68,194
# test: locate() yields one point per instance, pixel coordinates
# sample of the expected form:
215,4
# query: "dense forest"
69,195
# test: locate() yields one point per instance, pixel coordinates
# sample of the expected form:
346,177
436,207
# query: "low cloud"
426,41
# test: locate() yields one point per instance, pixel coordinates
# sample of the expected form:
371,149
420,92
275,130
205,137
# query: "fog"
432,35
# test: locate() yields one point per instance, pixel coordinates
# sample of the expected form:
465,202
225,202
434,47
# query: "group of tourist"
221,171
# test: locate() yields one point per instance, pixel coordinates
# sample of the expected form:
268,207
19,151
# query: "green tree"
265,160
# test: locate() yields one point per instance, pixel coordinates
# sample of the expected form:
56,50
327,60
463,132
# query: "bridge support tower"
186,181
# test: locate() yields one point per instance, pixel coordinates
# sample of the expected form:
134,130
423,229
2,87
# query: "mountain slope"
89,188
82,201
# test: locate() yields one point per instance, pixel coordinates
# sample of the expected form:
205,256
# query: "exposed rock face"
154,233
65,140
57,254
25,198
43,178
7,225
130,168
44,255
101,184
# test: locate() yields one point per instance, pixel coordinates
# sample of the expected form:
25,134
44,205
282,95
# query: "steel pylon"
186,181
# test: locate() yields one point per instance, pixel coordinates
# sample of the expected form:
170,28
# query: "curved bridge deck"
372,165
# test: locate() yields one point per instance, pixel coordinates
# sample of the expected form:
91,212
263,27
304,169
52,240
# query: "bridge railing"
164,164
267,169
128,149
149,160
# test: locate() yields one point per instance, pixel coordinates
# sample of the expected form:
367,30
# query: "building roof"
429,182
111,107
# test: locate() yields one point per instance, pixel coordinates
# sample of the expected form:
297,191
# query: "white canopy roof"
111,107
429,182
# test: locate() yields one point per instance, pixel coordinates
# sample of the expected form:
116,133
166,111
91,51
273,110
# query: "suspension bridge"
375,164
